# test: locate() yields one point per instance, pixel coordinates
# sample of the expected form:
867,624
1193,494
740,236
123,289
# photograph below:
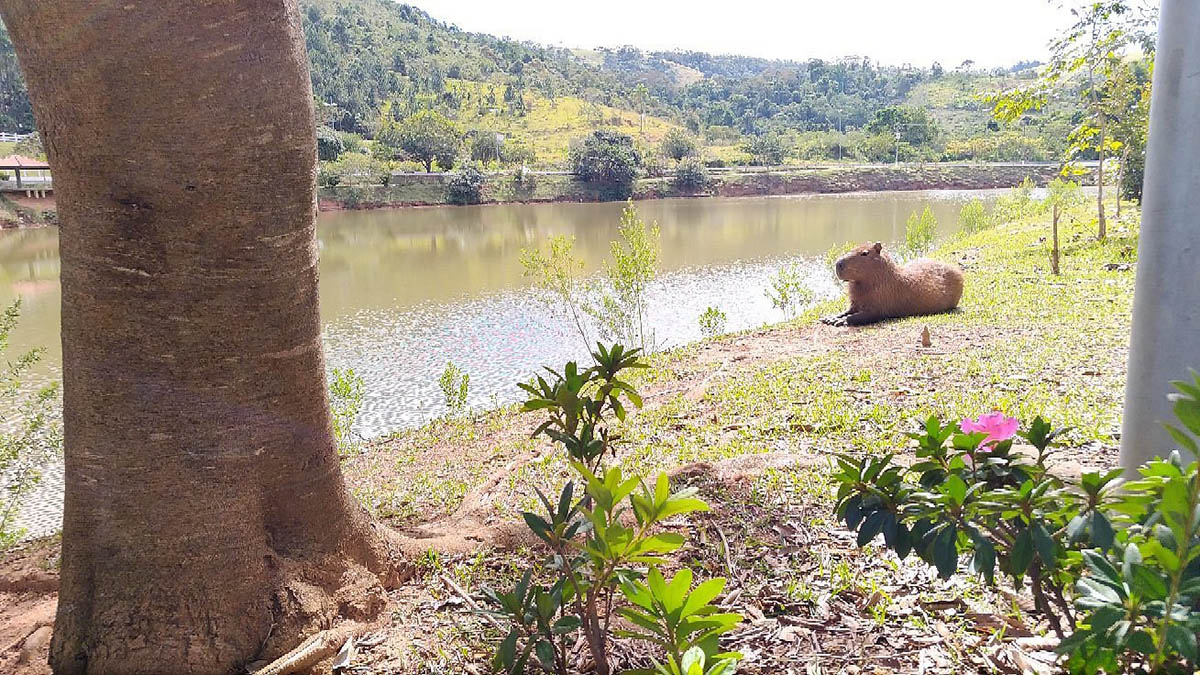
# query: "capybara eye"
863,253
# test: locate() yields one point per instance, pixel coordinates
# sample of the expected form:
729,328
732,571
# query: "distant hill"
366,52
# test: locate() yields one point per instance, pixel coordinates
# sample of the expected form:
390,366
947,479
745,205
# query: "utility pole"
1165,342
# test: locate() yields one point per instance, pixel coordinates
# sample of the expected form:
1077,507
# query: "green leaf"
1148,583
702,595
538,525
1182,640
945,552
1022,553
566,624
506,653
984,561
1044,544
871,527
1102,530
545,654
1097,591
956,489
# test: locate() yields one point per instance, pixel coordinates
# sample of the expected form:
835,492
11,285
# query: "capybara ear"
878,246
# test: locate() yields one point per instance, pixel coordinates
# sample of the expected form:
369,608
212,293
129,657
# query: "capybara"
881,289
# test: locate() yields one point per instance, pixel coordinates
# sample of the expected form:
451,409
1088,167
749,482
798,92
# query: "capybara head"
863,262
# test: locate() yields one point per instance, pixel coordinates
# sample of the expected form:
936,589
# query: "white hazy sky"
989,32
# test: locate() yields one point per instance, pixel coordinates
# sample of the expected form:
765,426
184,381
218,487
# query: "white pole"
1166,304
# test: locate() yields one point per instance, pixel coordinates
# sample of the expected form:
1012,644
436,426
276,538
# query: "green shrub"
678,144
1114,571
31,438
788,291
691,176
466,186
973,217
329,144
1017,204
712,322
598,561
620,308
919,233
455,384
346,390
608,160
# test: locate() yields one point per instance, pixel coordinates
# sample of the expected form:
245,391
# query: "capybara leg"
833,319
860,318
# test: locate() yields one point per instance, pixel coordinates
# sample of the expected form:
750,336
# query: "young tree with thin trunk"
1061,195
206,524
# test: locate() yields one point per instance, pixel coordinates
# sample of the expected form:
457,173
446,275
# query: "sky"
989,32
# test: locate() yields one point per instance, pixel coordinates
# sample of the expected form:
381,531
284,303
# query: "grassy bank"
424,190
751,420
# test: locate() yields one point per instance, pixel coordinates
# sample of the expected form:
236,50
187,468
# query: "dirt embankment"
430,189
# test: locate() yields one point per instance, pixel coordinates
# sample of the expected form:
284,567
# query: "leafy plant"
620,311
597,555
1060,195
346,389
788,291
919,233
691,175
466,186
557,275
1115,572
455,384
712,322
31,438
973,217
680,620
608,160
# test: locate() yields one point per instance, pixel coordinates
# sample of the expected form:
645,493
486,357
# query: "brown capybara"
881,289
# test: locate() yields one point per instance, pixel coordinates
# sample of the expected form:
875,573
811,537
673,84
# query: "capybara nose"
839,266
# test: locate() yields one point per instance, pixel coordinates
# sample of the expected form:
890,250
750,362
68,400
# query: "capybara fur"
881,289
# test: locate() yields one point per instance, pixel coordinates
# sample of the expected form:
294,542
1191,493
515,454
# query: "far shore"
423,190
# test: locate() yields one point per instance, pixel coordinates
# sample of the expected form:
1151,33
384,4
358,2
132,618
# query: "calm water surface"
405,291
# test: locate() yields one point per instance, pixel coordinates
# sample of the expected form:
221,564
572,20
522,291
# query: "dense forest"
375,59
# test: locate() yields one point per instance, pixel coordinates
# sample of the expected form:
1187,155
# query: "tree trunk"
1054,245
206,524
1163,345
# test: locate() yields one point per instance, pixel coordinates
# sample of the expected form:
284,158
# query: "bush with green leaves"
973,217
1017,204
691,176
1113,567
608,160
466,186
788,290
329,144
621,306
712,322
346,389
455,384
678,144
919,233
604,563
31,438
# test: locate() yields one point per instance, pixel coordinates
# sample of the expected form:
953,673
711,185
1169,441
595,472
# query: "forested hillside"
374,56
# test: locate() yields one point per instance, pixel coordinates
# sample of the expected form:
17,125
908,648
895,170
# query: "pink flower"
996,425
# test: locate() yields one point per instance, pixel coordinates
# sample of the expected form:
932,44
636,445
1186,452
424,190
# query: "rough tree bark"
206,523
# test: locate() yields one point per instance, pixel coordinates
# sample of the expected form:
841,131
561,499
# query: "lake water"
405,291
